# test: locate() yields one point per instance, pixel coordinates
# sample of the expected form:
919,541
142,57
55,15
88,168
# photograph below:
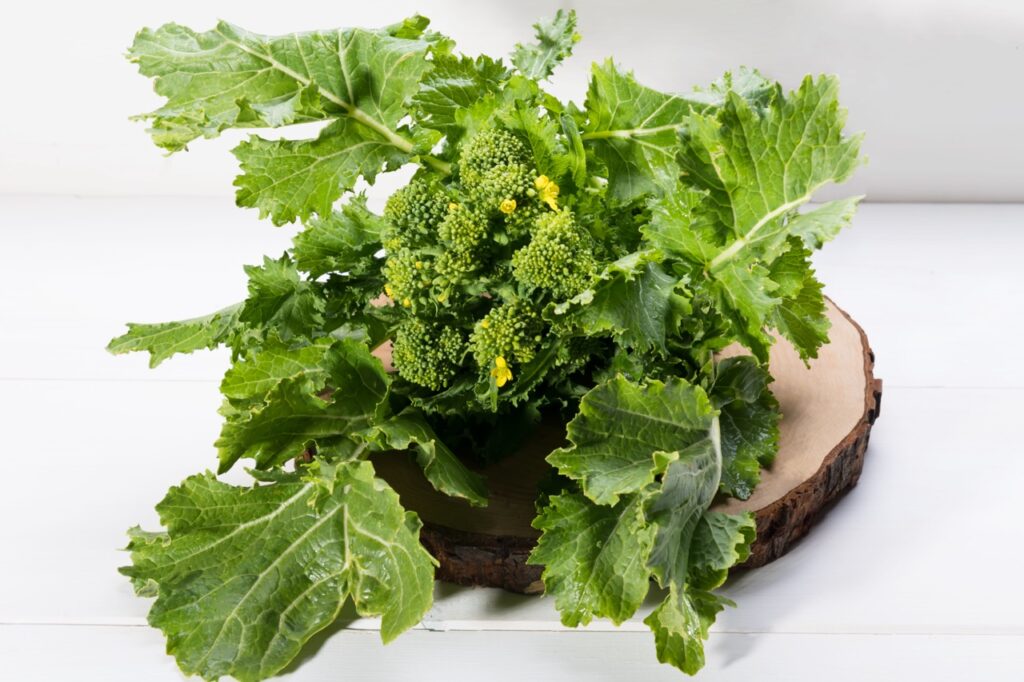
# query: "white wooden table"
915,575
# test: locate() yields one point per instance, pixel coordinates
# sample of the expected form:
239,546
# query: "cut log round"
827,413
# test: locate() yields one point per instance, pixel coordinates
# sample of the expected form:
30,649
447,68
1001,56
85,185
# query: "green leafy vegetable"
583,265
247,575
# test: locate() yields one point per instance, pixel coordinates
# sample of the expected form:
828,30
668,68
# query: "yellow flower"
452,206
507,206
501,372
547,191
485,323
419,265
406,302
389,291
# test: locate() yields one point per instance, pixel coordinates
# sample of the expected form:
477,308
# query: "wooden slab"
827,409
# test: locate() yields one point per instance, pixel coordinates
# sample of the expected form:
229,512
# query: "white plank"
902,553
129,654
84,267
934,286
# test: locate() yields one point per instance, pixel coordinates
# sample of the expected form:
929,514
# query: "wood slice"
827,413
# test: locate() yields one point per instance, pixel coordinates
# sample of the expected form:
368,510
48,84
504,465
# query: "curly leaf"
297,412
246,575
749,421
281,300
342,241
800,315
594,557
626,433
555,40
680,625
453,85
165,339
230,78
440,465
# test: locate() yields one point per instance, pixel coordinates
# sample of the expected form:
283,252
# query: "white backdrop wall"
936,84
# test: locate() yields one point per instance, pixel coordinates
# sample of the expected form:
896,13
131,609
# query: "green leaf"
634,130
749,421
454,84
289,179
680,625
555,40
165,339
279,299
342,241
823,223
626,433
800,315
680,225
594,557
681,622
541,134
253,377
720,541
744,294
441,466
634,303
297,412
687,490
230,78
247,575
746,82
760,165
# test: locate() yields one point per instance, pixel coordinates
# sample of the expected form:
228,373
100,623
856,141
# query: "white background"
915,575
936,84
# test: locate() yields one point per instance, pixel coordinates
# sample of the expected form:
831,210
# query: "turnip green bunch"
546,261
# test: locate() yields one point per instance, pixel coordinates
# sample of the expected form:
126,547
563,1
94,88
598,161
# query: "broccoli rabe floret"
427,354
497,171
463,228
559,258
491,148
416,210
408,276
510,332
502,188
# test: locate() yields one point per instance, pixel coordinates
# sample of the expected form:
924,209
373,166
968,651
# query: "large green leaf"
440,465
680,625
246,575
687,490
594,557
453,85
230,78
254,376
800,315
749,421
162,340
758,166
297,412
555,40
634,302
627,433
282,300
342,241
634,130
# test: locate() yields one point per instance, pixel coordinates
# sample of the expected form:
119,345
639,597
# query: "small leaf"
555,40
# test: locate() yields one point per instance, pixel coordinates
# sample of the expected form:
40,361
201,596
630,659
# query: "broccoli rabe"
510,331
427,354
559,258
